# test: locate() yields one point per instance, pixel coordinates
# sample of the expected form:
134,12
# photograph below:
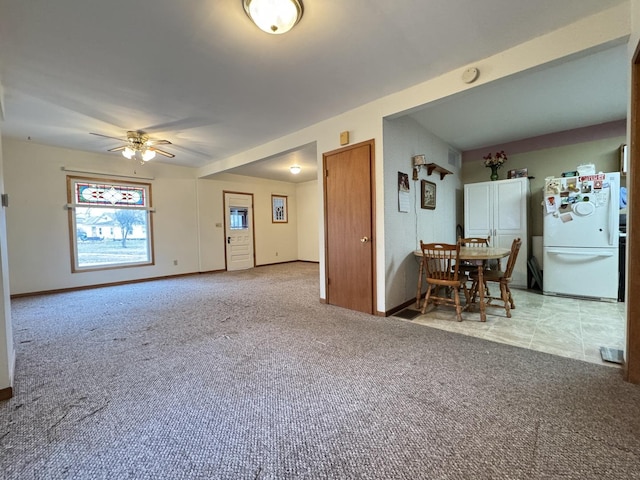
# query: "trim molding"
282,263
139,280
92,172
402,306
6,393
111,284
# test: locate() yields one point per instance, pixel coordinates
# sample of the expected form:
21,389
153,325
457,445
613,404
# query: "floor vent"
407,314
612,355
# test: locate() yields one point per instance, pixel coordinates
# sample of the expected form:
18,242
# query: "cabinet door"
510,222
478,211
510,214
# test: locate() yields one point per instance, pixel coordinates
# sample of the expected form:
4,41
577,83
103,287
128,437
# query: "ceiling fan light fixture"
274,16
148,154
139,146
295,169
128,152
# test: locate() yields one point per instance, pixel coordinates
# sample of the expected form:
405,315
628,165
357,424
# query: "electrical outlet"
175,262
276,254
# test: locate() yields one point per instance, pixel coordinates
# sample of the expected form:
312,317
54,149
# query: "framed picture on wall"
518,173
427,195
279,209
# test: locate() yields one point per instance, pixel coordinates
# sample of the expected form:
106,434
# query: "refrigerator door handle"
614,217
606,253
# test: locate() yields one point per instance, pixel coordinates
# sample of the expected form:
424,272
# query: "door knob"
364,239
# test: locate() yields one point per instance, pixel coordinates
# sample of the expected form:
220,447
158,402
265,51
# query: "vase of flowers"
494,162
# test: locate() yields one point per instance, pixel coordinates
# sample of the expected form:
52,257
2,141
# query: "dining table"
476,255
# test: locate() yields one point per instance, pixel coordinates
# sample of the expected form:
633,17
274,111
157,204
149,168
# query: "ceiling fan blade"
117,149
162,152
158,142
107,136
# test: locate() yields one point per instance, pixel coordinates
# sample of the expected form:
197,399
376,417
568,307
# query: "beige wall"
37,220
274,242
551,162
308,220
184,222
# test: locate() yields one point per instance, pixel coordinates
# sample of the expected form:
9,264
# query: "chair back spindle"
474,242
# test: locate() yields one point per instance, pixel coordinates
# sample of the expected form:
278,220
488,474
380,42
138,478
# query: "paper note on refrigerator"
551,203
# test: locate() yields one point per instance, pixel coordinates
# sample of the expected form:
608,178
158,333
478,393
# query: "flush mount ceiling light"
274,16
295,169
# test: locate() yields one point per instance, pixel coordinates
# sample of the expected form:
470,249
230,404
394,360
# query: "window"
110,224
239,217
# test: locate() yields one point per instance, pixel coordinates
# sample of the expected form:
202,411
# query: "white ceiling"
586,91
202,76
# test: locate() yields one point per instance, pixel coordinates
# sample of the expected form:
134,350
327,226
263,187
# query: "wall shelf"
433,167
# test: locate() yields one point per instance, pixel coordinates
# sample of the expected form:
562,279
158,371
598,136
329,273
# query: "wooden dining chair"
467,267
441,271
474,241
503,279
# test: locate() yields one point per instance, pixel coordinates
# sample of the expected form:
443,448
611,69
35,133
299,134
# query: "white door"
510,215
510,222
239,230
478,210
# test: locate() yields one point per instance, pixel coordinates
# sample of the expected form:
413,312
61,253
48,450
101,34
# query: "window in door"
110,224
238,218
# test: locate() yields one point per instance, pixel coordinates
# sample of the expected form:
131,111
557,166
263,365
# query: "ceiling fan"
139,145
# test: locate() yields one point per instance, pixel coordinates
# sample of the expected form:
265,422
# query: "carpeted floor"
247,376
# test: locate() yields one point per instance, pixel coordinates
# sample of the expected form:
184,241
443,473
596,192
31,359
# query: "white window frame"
101,183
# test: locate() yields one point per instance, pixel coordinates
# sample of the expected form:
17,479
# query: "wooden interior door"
349,225
632,355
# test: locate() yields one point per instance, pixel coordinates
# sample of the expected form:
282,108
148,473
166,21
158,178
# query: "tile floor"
557,325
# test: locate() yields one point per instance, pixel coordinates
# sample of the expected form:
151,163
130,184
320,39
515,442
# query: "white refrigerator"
581,234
